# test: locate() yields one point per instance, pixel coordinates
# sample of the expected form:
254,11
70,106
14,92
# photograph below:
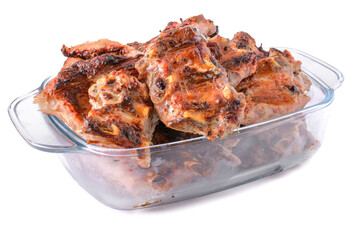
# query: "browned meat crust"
87,69
96,115
277,88
71,105
188,87
244,41
122,114
197,82
92,49
204,26
239,63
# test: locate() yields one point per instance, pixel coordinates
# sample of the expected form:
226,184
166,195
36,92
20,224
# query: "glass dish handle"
35,127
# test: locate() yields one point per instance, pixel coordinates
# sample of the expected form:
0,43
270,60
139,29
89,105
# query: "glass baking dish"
188,168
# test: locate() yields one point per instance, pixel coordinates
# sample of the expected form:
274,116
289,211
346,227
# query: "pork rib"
101,116
89,50
122,114
187,85
276,88
239,63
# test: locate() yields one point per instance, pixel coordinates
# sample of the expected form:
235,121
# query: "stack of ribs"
186,82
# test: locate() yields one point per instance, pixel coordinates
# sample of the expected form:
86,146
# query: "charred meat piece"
187,85
89,50
102,59
196,81
85,70
122,114
118,111
239,63
70,105
66,96
276,88
204,26
243,40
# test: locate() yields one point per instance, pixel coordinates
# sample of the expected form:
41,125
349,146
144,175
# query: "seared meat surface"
272,81
275,89
188,86
243,40
91,49
204,26
71,105
239,63
195,81
85,70
101,97
122,114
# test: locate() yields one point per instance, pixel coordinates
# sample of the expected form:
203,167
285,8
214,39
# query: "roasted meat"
99,96
243,40
86,70
276,88
239,63
122,114
204,26
272,81
71,105
197,84
195,81
187,85
89,50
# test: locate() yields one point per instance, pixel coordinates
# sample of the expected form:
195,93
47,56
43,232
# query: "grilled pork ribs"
195,81
97,93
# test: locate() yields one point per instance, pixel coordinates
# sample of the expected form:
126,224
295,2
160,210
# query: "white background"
317,200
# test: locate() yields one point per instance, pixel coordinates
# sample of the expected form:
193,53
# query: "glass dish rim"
328,91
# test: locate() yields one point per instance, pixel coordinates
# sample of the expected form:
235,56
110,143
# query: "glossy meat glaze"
195,81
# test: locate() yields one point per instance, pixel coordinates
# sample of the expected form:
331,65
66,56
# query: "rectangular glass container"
189,168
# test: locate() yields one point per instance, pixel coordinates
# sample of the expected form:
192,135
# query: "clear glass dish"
189,168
